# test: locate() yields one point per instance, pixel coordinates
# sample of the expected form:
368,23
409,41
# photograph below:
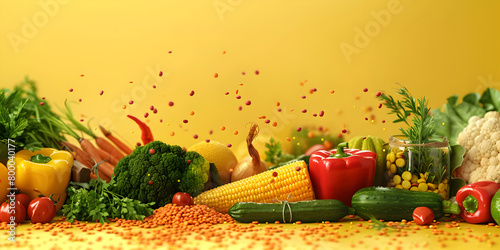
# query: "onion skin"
246,168
250,165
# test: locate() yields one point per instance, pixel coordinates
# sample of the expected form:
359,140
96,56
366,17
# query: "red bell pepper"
475,201
338,174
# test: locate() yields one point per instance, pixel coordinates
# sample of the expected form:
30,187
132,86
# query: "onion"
250,165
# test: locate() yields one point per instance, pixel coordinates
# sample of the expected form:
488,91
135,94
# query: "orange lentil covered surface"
199,227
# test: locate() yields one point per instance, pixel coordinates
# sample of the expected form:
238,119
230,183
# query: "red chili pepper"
475,201
146,136
340,173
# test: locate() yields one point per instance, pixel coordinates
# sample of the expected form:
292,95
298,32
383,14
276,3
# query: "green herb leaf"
214,176
491,99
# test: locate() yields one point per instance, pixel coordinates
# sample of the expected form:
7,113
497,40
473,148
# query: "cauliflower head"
481,140
156,171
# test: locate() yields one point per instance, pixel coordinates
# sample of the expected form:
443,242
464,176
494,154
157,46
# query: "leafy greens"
452,118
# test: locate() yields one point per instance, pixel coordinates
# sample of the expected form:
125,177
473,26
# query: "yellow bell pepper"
4,183
46,171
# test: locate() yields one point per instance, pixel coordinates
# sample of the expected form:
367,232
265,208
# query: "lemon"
219,154
4,183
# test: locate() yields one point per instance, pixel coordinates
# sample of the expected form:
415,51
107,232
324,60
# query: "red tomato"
16,210
24,199
182,199
423,215
41,210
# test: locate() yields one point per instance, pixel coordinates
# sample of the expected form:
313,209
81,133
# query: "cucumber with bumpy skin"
303,211
395,204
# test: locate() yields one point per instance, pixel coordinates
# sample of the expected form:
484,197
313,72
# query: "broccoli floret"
156,171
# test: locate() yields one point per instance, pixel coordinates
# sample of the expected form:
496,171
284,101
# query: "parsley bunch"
275,153
94,201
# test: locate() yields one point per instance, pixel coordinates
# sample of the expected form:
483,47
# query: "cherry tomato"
182,199
16,210
423,215
41,210
24,199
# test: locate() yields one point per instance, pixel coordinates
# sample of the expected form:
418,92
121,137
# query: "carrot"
102,176
122,146
107,157
147,135
79,155
105,167
108,148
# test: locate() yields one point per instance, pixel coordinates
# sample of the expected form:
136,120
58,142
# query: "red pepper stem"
340,150
470,204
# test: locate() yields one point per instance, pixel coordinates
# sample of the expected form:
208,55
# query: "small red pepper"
475,201
147,135
340,173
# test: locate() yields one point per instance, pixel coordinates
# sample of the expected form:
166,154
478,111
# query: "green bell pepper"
495,207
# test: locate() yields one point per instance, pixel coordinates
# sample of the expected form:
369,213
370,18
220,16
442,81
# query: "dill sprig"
421,127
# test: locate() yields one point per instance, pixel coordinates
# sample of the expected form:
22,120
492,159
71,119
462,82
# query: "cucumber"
304,158
394,204
303,211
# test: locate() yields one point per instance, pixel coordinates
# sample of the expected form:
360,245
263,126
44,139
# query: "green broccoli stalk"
156,171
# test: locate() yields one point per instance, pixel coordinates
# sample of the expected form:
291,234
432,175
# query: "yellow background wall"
435,48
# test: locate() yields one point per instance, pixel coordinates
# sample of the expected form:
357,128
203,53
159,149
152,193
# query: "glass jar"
417,166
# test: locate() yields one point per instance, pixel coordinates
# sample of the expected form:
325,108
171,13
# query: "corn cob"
267,187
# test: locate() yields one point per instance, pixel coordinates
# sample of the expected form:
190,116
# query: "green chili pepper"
495,207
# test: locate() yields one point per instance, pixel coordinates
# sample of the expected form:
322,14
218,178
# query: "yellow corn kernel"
399,186
396,179
414,179
432,186
445,181
423,187
291,182
400,154
393,168
391,157
406,176
414,189
406,184
388,164
421,181
436,191
400,162
441,187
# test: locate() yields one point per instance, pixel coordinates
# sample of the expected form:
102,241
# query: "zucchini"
304,158
303,211
394,204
